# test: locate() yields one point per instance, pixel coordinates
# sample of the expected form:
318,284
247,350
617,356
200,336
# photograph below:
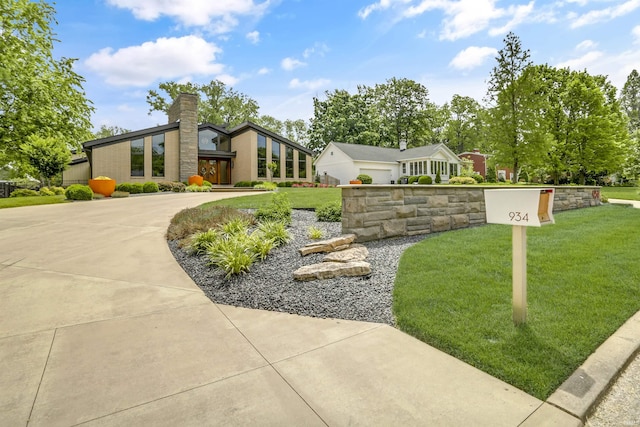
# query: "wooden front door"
208,169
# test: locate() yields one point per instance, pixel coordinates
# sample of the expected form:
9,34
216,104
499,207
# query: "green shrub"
178,187
150,187
233,256
137,188
125,186
44,191
165,186
491,174
78,192
202,241
425,180
206,183
243,184
59,191
315,233
119,194
195,188
266,186
457,180
23,192
254,183
275,231
366,179
412,179
235,226
261,246
278,210
438,178
329,212
478,178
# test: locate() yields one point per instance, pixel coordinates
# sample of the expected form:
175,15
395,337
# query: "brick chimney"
185,110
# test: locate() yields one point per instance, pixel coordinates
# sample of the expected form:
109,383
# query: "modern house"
386,165
182,148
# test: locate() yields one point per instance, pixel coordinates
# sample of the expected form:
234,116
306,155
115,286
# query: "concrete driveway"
100,326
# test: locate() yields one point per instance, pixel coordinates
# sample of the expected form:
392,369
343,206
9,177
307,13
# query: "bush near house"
44,191
150,187
206,183
366,179
165,186
413,179
195,188
478,178
78,192
438,178
23,192
278,210
178,187
425,180
330,212
457,180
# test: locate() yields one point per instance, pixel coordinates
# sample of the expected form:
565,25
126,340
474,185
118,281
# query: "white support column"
519,274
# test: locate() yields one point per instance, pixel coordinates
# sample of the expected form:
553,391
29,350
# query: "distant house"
479,161
182,148
386,165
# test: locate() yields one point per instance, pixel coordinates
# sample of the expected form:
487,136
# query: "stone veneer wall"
373,212
185,109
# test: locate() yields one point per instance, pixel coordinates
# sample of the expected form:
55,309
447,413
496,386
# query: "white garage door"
380,176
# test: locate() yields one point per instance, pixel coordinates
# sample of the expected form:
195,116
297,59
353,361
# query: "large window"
262,156
207,140
302,165
289,170
137,157
157,155
275,157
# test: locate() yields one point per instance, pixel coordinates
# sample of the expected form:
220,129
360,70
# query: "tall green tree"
48,156
630,100
463,129
217,103
514,111
39,94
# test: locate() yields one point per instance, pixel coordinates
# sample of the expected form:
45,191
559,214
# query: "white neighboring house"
386,165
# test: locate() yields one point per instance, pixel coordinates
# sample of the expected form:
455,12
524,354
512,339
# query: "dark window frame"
137,157
157,157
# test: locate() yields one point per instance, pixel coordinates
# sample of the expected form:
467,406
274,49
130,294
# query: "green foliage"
48,156
124,186
261,246
463,130
366,179
59,191
78,192
243,184
202,241
425,179
278,210
119,194
23,192
41,97
107,131
232,255
477,177
16,202
165,186
195,188
193,220
150,187
315,233
235,226
491,174
413,179
275,231
137,188
300,198
206,183
178,187
44,191
329,212
438,178
271,186
466,180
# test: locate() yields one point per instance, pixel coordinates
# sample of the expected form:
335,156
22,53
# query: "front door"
208,169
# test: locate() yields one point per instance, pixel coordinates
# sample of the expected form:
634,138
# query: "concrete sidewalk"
100,326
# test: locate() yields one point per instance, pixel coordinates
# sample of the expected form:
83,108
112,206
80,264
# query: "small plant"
206,183
178,187
271,186
233,255
201,242
278,210
195,188
273,167
165,186
478,178
119,194
315,233
438,178
366,179
425,180
44,191
261,246
59,191
412,179
137,188
78,192
330,212
466,180
23,192
275,231
125,186
150,187
235,226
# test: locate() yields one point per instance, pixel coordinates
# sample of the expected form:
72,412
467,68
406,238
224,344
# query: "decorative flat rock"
329,245
354,253
327,270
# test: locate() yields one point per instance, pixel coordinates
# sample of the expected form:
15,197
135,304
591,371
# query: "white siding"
338,165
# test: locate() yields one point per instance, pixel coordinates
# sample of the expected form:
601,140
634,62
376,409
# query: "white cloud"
472,57
227,79
291,63
519,14
318,49
253,37
264,70
380,5
582,62
165,58
308,84
586,45
218,16
605,14
635,32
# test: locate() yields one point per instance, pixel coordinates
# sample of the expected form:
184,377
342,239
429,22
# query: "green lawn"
625,193
453,291
300,198
16,202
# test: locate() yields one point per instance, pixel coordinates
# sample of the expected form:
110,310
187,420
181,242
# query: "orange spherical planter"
103,186
196,179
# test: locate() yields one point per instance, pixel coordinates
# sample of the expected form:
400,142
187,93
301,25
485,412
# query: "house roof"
382,154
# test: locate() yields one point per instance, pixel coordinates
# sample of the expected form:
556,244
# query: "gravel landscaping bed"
269,285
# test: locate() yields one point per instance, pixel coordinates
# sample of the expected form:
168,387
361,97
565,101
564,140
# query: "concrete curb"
582,391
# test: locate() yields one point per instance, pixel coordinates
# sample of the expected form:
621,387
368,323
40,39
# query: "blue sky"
282,53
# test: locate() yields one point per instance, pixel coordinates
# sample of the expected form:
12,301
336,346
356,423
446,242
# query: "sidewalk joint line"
44,369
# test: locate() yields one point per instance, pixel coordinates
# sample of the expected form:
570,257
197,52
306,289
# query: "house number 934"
518,217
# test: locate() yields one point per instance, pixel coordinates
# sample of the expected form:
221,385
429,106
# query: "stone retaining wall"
373,212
